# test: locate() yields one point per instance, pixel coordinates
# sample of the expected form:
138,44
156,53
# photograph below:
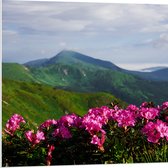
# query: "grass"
37,103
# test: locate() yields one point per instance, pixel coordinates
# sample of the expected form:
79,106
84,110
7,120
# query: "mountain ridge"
74,74
153,69
70,57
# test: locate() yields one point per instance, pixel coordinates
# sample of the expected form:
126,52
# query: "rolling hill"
37,103
17,72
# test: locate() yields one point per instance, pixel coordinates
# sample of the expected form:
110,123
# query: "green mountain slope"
76,72
17,72
69,57
37,103
91,79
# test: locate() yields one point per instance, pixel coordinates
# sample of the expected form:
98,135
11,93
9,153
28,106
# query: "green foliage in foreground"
36,102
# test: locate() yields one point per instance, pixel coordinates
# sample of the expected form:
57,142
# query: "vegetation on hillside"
38,102
83,78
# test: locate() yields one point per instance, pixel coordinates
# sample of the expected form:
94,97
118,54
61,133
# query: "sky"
133,36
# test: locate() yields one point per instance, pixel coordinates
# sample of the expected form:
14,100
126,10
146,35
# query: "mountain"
73,71
161,74
152,69
155,75
37,103
36,63
68,57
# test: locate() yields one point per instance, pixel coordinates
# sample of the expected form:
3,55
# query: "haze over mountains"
152,69
74,71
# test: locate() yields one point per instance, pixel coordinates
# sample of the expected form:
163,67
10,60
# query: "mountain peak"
71,57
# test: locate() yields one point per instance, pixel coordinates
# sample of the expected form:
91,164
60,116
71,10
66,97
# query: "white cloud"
52,16
107,31
62,44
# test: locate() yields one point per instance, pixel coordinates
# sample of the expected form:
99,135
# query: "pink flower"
162,128
165,105
149,113
34,138
106,112
150,131
95,140
94,120
65,133
29,135
125,117
71,120
99,141
155,131
132,108
91,124
144,104
14,123
47,124
153,137
150,126
62,132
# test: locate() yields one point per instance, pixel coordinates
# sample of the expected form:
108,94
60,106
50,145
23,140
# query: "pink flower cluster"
71,120
62,132
47,124
149,113
155,130
96,118
125,117
14,123
93,122
34,138
62,126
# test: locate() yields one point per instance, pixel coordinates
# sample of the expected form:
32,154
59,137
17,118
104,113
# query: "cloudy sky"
131,36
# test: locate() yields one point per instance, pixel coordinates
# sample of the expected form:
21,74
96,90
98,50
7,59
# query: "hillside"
37,102
161,73
83,79
17,72
156,75
73,71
